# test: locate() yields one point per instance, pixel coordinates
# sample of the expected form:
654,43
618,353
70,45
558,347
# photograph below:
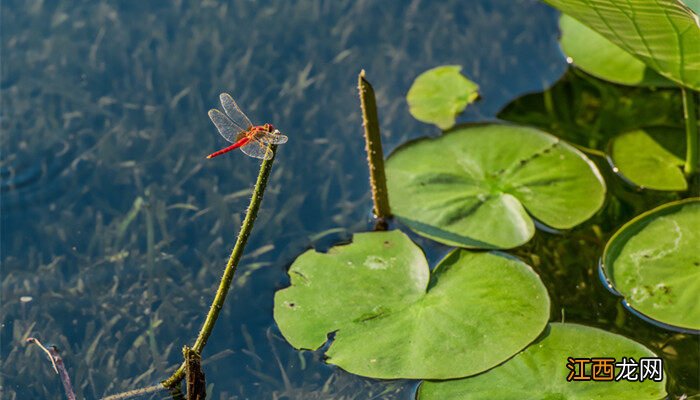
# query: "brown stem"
375,155
196,383
58,366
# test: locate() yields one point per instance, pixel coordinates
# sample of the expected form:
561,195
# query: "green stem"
135,393
375,155
691,132
230,270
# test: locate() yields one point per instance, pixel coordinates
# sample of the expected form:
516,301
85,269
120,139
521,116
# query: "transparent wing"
273,138
225,126
234,112
257,149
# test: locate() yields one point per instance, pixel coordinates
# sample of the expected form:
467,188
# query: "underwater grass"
103,104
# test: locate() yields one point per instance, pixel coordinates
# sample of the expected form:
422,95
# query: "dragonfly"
253,140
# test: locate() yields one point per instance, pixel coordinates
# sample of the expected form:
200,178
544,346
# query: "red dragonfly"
234,126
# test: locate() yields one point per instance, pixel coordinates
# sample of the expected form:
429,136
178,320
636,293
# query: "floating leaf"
650,158
598,56
664,34
540,372
392,318
438,95
474,186
654,262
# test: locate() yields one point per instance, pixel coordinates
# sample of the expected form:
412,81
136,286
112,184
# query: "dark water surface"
115,229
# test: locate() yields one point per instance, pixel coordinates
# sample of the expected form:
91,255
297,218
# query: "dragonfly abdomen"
237,144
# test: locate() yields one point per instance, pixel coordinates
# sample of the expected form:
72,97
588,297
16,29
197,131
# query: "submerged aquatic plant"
264,149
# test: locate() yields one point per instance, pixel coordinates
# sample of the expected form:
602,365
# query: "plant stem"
230,270
136,392
58,366
196,383
375,155
691,132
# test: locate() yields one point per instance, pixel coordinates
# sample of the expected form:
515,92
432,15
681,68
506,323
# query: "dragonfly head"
270,128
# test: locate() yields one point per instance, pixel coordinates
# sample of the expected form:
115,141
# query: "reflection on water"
118,228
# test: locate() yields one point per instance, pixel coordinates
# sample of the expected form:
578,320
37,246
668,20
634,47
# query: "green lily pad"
438,95
654,262
663,34
393,318
598,56
540,372
478,185
650,158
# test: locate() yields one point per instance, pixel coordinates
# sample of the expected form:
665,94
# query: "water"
118,228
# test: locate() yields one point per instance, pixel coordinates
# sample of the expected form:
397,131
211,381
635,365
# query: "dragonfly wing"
273,138
257,149
225,126
234,112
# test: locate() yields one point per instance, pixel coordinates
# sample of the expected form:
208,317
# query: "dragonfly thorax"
257,129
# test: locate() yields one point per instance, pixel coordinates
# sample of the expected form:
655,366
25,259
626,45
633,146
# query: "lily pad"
540,372
477,186
598,56
438,95
393,318
650,158
654,262
663,34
